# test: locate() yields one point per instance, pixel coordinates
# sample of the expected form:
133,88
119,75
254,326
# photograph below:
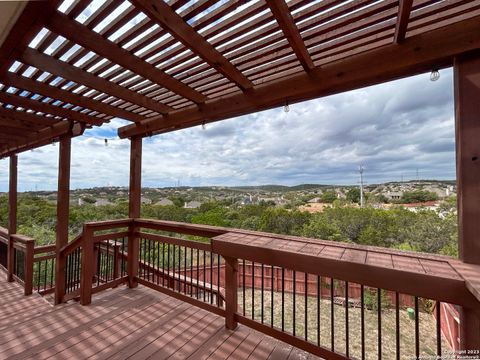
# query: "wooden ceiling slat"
159,11
26,118
20,101
37,87
81,35
417,54
404,9
54,66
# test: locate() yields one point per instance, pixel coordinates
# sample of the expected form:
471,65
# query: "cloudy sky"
392,129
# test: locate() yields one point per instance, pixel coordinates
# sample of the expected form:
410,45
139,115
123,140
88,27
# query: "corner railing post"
133,255
28,267
231,288
469,331
86,276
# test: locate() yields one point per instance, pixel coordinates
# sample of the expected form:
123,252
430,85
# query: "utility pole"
362,199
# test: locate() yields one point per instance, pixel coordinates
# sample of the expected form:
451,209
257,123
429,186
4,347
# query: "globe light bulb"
106,142
204,126
435,75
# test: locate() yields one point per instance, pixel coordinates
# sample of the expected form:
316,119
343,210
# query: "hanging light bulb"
53,142
435,75
204,127
106,142
286,108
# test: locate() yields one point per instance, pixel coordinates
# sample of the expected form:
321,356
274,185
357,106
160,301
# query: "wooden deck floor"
125,324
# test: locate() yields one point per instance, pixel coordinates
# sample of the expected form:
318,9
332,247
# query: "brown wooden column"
63,207
135,193
12,213
467,132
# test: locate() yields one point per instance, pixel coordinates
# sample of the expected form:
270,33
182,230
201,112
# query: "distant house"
102,202
146,201
394,195
428,205
164,202
192,205
315,200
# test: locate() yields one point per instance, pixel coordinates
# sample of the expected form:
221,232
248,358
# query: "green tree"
353,195
328,196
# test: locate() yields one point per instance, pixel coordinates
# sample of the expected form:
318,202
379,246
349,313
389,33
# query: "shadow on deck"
125,323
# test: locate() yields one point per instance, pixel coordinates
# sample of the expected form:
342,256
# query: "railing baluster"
362,320
198,272
261,296
253,290
191,272
347,338
204,276
185,270
397,324
211,278
294,302
379,314
218,280
271,297
39,267
417,329
332,315
158,263
306,307
439,328
283,299
319,295
173,268
45,276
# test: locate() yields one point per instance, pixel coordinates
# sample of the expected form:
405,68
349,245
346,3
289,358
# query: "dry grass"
428,341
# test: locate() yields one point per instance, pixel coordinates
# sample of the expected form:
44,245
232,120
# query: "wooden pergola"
168,65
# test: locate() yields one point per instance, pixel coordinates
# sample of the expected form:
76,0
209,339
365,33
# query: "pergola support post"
135,193
63,207
467,132
12,214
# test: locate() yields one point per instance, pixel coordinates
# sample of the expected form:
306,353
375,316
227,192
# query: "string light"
286,108
435,75
204,127
106,142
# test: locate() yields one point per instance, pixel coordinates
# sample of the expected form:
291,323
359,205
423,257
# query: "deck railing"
334,300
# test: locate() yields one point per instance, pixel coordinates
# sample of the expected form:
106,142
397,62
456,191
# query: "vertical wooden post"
467,133
86,276
12,214
231,288
63,207
135,194
28,267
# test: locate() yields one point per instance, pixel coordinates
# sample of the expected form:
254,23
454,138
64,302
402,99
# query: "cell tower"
361,168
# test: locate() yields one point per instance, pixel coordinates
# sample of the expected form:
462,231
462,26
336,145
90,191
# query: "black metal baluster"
271,297
204,275
347,338
39,268
294,302
198,271
218,279
261,296
211,277
379,314
45,276
163,264
283,299
168,265
122,261
306,307
397,324
173,267
253,290
319,296
332,315
158,263
191,272
439,329
185,270
362,319
243,288
179,268
417,330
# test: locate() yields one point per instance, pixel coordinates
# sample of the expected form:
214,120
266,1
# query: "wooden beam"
37,87
63,210
70,72
417,54
80,34
44,137
7,122
46,108
284,18
26,119
404,10
12,213
167,18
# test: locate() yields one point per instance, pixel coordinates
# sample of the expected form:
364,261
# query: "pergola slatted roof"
166,65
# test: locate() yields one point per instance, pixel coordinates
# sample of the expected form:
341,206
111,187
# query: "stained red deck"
125,324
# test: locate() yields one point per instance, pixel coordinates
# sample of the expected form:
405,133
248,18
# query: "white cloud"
392,129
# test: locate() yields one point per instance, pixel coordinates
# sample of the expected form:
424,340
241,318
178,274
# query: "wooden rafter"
39,106
37,87
404,9
44,137
60,68
417,54
161,12
285,20
26,118
74,31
